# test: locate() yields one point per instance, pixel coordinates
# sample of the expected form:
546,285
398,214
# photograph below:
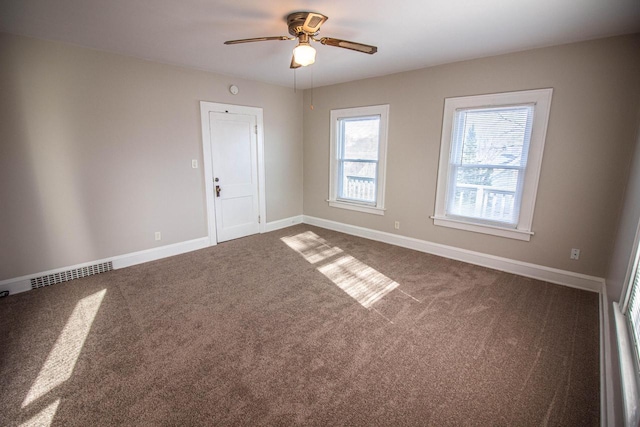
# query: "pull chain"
311,106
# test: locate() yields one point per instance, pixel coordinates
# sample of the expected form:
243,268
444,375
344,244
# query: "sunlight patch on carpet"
63,357
361,282
43,418
311,246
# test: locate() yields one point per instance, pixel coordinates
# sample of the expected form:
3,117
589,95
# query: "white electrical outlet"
397,225
194,164
158,235
575,253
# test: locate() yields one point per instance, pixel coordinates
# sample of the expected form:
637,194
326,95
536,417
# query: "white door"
235,174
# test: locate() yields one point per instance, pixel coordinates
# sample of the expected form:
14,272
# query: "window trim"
541,99
345,113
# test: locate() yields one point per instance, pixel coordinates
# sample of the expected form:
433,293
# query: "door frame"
207,107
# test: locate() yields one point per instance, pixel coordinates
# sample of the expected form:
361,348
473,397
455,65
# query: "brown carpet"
302,326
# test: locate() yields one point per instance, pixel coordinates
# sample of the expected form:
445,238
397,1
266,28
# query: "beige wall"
590,138
96,149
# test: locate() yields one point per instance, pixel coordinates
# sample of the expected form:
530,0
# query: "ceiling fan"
304,26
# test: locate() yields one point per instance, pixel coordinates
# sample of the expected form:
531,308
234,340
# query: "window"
627,320
631,310
358,158
490,158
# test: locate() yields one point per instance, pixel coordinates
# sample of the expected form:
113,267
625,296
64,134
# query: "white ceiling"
410,34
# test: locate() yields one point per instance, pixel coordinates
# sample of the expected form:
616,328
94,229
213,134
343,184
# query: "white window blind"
488,159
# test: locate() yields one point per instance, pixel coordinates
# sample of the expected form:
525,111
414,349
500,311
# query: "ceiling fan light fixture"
305,26
304,54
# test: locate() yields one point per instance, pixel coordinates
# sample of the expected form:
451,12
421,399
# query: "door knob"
218,190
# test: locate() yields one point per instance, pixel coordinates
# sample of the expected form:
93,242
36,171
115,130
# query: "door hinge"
255,129
258,219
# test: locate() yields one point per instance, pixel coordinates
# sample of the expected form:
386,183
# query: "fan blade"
313,22
294,64
257,39
364,48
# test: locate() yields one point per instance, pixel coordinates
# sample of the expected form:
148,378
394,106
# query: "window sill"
509,233
356,207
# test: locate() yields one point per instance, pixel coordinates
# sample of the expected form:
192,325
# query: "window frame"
631,287
541,101
376,208
627,338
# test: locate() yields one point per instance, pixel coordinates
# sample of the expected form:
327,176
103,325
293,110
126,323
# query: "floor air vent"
65,276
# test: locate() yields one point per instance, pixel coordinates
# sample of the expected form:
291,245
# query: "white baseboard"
127,260
282,223
22,284
17,285
552,275
534,271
